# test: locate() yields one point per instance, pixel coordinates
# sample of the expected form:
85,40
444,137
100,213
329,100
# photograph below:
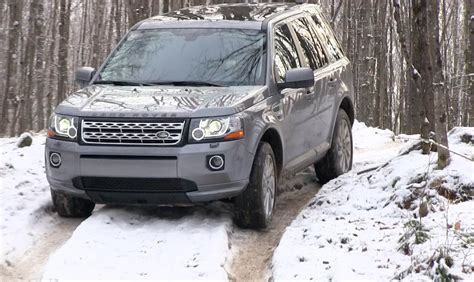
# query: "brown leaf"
457,225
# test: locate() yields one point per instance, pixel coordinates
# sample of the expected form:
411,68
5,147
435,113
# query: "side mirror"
298,78
84,75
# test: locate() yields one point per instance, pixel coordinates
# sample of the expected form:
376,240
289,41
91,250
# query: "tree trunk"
470,56
13,57
52,55
64,18
26,112
436,79
137,11
39,64
419,101
380,113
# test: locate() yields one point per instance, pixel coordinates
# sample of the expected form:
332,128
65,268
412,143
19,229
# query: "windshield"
199,55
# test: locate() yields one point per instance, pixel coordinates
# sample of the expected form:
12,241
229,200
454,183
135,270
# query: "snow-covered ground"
357,227
160,243
368,226
24,197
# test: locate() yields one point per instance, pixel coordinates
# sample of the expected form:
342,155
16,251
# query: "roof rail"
306,1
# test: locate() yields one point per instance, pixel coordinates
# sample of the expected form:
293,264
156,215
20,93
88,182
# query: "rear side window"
313,51
286,56
324,31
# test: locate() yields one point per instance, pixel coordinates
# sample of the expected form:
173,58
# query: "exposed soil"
30,266
253,250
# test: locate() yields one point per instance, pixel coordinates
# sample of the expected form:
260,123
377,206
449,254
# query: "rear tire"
254,207
68,206
338,159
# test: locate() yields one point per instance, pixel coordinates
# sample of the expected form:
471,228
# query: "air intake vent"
117,184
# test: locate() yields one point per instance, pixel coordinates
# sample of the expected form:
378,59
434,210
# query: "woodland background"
405,60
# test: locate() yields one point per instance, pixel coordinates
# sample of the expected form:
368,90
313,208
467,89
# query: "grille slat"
132,133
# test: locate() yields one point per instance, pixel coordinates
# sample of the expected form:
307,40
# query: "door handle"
309,93
332,81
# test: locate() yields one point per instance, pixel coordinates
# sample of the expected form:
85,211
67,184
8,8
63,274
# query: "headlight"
63,126
216,129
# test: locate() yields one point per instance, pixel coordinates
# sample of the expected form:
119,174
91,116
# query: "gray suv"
205,103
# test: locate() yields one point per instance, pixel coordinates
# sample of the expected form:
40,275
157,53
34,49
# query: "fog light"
216,162
72,132
55,159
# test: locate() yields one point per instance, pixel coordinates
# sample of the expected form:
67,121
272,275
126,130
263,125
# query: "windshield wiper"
123,83
187,83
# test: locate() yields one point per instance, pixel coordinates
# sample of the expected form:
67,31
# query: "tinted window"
312,50
286,56
326,35
219,56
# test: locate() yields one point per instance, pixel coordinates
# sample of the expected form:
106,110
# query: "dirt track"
30,266
253,250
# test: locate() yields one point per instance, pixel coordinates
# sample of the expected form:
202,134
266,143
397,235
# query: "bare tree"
436,78
40,44
64,18
469,7
10,101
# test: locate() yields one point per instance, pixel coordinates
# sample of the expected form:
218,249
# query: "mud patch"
252,251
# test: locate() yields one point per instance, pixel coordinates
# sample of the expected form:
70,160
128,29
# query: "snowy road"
130,243
175,243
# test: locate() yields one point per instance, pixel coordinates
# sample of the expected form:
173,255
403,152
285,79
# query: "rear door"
338,63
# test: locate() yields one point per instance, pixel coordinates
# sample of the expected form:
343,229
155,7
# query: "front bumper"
179,174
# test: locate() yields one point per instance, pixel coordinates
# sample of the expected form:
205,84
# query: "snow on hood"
160,101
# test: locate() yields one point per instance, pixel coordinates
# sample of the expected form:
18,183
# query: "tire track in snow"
30,266
252,251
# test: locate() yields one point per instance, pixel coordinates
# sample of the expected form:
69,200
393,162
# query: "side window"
325,33
313,52
286,56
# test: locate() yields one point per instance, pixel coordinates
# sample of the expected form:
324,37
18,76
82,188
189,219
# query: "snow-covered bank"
373,146
24,197
158,243
367,226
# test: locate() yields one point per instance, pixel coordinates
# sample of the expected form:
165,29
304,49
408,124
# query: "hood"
160,101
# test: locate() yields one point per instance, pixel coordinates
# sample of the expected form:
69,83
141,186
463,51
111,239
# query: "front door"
286,57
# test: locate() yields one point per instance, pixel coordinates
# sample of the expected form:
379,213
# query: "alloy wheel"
268,185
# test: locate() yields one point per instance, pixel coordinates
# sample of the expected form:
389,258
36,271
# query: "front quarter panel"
259,118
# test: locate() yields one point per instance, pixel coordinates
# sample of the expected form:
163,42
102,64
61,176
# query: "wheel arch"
272,137
348,107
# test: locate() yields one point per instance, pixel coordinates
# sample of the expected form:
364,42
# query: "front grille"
122,184
126,133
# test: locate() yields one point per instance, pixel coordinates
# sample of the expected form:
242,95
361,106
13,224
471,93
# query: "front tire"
338,159
254,207
69,206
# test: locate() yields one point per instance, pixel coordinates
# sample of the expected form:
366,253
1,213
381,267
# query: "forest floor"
358,226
